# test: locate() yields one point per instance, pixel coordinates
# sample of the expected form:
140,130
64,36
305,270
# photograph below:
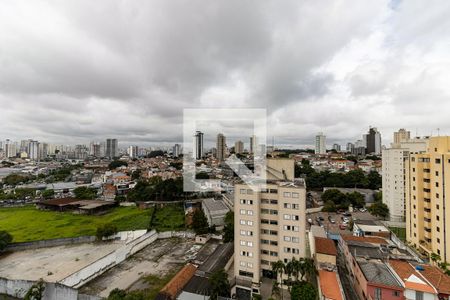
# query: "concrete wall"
50,243
52,291
108,261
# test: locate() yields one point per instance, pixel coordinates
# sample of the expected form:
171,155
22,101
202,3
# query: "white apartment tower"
393,169
320,144
176,150
133,151
269,226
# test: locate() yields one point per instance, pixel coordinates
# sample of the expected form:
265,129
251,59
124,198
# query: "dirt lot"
160,258
334,228
54,263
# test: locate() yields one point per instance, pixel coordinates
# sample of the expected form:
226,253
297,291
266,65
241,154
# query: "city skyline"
371,69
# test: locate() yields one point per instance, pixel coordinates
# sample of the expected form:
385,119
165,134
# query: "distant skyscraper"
253,144
176,150
33,150
337,147
94,149
401,136
133,151
239,147
350,147
320,145
373,141
198,145
112,148
221,146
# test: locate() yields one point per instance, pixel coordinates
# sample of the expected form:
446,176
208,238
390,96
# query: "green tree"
136,175
15,179
5,239
379,209
279,267
303,291
219,284
85,193
36,291
374,180
329,207
105,230
228,230
48,194
200,222
116,164
356,199
435,257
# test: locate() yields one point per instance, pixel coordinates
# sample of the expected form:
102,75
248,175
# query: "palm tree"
278,267
309,268
275,289
289,270
295,268
435,257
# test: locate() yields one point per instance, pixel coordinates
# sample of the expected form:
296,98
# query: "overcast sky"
75,71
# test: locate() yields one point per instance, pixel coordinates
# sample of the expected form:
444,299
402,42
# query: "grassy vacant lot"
399,232
30,224
170,217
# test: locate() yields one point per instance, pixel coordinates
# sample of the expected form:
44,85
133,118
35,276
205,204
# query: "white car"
346,220
363,209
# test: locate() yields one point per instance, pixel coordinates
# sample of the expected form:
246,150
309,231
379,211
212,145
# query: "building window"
242,211
273,222
250,212
438,229
295,240
273,201
250,223
438,240
437,173
287,205
419,295
245,274
242,222
242,201
377,294
287,217
287,238
243,191
287,194
242,243
396,293
295,195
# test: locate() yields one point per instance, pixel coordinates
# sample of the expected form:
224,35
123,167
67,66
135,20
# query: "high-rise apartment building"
239,147
269,226
176,150
320,144
221,147
401,136
133,151
337,147
373,141
427,194
112,148
394,170
253,144
33,150
198,145
350,147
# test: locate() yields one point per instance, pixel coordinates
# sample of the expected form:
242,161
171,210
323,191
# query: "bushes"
335,199
5,239
105,230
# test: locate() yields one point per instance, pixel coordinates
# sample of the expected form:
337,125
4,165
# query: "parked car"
332,221
310,221
342,226
347,214
345,220
363,209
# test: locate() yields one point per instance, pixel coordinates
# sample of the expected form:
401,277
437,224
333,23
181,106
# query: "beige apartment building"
269,225
427,205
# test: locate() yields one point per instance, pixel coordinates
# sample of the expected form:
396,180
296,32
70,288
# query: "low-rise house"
330,287
325,253
416,286
369,228
215,211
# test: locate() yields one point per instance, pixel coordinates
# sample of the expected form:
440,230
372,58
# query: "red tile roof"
325,246
367,239
329,285
404,270
176,284
437,278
